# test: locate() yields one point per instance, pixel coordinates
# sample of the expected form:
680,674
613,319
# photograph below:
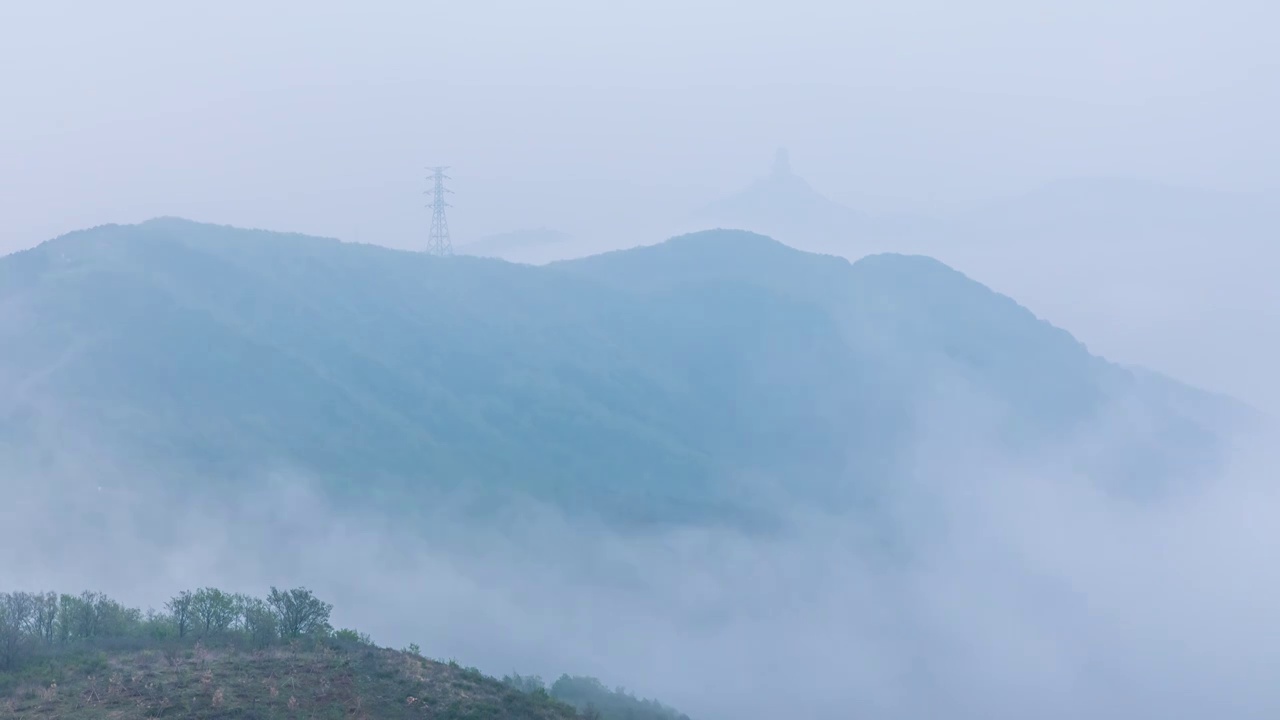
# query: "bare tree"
179,608
85,614
213,610
17,613
256,620
299,612
66,617
46,616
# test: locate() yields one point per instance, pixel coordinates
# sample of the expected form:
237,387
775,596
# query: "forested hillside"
645,385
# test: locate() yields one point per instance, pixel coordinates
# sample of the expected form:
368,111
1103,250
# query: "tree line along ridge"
57,649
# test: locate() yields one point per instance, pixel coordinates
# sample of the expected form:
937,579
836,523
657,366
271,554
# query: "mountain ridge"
637,383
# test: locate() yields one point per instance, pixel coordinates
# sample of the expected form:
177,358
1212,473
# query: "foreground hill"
212,654
647,384
319,682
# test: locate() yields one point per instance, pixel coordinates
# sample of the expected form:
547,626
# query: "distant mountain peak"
781,164
728,240
780,202
172,220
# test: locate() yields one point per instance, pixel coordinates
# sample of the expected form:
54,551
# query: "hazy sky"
320,116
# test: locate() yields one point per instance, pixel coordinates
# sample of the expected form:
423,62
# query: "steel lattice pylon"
438,242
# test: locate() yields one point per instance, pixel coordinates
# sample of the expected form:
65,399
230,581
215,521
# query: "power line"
438,242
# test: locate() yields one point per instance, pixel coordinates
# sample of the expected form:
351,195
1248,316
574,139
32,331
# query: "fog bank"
1002,590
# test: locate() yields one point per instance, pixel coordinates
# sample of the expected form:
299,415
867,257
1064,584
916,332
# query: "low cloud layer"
1000,591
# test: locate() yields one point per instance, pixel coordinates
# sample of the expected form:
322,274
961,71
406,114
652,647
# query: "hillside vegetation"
211,654
644,385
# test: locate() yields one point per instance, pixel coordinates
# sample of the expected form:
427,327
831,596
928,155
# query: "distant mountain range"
1147,272
784,204
688,380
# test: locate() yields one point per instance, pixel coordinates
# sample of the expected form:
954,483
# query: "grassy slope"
328,682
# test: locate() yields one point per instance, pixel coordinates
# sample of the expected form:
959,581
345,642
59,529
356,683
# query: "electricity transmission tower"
438,242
